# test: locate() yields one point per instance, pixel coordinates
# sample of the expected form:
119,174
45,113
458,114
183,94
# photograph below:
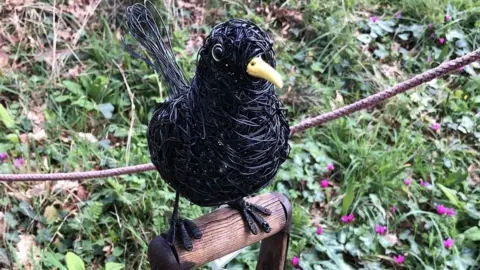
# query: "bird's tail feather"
156,41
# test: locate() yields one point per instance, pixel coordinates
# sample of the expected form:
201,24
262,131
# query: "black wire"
224,136
144,29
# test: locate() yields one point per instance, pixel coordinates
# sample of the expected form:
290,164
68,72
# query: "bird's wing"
156,41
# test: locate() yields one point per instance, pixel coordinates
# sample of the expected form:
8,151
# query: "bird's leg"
185,227
250,215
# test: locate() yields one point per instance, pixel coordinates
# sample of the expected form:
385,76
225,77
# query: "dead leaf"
288,15
64,34
194,43
3,60
391,70
74,72
87,136
474,175
82,193
39,135
66,185
108,250
2,224
339,98
392,238
47,56
45,163
50,213
19,195
38,190
118,34
27,248
23,138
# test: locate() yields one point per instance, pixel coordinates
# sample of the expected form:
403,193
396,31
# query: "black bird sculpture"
222,136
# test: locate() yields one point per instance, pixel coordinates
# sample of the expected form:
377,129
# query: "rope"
367,102
381,96
77,175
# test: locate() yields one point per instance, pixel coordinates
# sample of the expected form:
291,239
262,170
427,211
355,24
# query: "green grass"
335,56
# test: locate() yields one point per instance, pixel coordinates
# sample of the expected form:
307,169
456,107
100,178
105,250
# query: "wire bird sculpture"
224,135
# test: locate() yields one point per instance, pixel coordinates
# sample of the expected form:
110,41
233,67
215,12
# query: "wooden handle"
224,232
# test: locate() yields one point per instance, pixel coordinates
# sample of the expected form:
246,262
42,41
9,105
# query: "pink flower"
393,209
295,260
424,183
448,243
451,212
399,259
461,68
319,230
436,127
398,15
407,181
348,219
324,183
441,41
430,26
18,162
373,19
380,229
447,18
330,167
3,156
441,209
429,59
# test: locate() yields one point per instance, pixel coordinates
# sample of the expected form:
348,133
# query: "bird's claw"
187,229
250,215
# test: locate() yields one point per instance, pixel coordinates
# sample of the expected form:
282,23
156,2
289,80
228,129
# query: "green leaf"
404,36
4,257
13,138
85,103
98,86
353,249
364,38
472,211
74,262
73,87
381,52
347,201
5,117
28,210
476,100
106,110
472,234
53,260
62,98
456,177
467,125
114,266
316,67
451,195
454,33
4,147
386,25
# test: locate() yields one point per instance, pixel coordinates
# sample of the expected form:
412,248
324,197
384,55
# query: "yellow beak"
260,69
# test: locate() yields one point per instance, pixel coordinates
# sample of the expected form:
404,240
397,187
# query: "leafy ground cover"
392,187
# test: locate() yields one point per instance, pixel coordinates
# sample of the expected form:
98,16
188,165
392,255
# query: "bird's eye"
217,52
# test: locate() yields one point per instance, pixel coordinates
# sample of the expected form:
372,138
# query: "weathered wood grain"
224,232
